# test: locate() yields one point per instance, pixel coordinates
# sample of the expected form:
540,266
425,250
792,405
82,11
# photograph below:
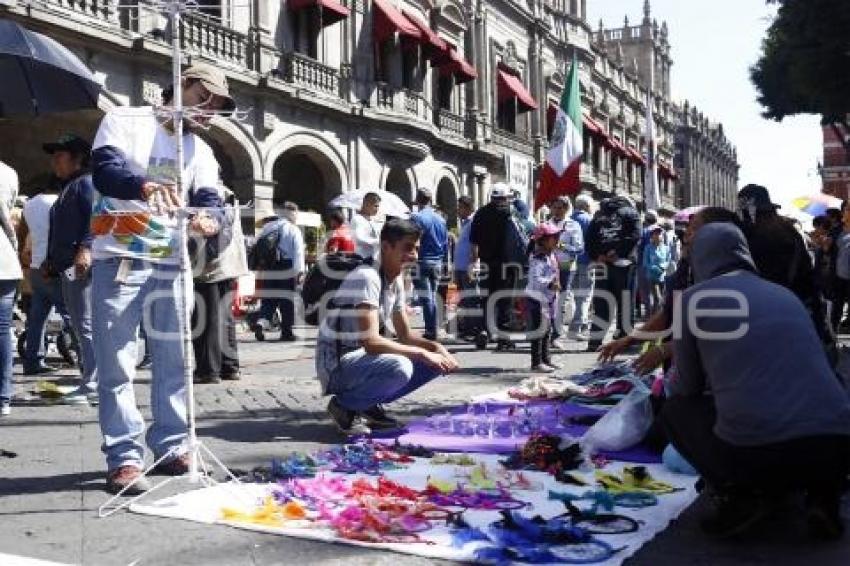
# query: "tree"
804,67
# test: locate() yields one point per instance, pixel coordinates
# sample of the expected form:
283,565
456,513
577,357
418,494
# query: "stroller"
58,333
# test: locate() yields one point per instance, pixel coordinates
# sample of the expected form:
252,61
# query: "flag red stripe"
552,185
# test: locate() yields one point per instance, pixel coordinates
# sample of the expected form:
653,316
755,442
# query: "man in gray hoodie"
755,406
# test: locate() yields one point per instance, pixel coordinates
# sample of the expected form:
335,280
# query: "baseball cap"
545,229
500,190
72,143
214,81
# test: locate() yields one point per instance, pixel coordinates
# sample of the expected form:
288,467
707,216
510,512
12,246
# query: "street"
51,491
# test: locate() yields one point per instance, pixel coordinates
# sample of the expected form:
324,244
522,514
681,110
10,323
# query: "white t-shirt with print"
37,215
339,331
150,151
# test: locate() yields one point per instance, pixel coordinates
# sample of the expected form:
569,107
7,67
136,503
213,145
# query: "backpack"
322,281
265,254
517,242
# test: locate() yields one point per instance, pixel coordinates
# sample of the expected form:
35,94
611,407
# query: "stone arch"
446,196
400,181
306,176
238,156
313,144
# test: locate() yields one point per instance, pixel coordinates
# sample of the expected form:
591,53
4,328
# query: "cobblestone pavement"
49,493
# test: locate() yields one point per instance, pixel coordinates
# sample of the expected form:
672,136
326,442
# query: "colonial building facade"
835,171
393,94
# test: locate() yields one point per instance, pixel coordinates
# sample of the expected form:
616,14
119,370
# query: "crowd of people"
740,309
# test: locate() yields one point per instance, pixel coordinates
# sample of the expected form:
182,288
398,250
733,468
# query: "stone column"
265,52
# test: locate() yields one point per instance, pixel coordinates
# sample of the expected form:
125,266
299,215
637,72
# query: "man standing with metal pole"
138,255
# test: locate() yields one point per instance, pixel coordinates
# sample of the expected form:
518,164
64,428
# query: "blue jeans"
149,290
46,294
278,295
77,297
362,381
7,303
427,279
582,291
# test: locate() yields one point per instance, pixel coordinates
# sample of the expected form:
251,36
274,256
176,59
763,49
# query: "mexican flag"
560,174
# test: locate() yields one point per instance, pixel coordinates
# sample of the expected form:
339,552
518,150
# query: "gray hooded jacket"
752,344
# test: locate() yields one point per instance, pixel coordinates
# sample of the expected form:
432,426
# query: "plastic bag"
624,425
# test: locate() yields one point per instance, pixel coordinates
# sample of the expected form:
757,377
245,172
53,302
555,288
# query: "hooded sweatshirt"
768,373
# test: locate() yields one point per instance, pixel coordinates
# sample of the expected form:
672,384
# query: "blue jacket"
435,238
583,218
69,221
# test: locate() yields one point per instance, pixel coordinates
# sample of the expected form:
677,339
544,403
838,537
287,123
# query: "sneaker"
553,365
231,376
542,368
79,396
93,398
288,337
583,336
40,369
124,476
347,421
377,418
823,517
5,409
177,466
733,515
146,363
206,379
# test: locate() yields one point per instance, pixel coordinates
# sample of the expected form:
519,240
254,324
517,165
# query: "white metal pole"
184,282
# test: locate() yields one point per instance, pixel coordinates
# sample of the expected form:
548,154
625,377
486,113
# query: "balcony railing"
384,94
104,10
512,141
449,122
201,35
304,71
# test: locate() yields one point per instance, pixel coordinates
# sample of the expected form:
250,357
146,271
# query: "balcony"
310,74
201,35
405,102
102,10
449,122
516,142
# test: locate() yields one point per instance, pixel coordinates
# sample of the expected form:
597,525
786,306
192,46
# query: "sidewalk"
49,493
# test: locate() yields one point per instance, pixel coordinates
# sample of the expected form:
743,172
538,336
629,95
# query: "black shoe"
823,517
231,376
733,515
146,363
288,337
40,369
347,421
377,418
431,337
206,379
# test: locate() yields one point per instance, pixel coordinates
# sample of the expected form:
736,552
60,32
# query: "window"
445,87
506,116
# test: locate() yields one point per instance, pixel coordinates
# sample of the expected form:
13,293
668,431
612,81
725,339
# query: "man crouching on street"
355,362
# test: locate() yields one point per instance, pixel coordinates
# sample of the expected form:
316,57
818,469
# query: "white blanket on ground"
205,506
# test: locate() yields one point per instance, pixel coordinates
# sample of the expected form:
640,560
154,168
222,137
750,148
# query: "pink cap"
545,229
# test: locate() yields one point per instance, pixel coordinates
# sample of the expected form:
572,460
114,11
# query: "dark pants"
818,464
840,297
499,278
215,341
541,329
277,293
611,289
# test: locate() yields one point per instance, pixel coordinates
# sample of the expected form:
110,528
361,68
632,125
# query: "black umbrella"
39,75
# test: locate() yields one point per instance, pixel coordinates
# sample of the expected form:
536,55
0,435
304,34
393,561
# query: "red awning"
593,126
453,64
331,10
636,156
387,20
510,86
432,42
618,147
